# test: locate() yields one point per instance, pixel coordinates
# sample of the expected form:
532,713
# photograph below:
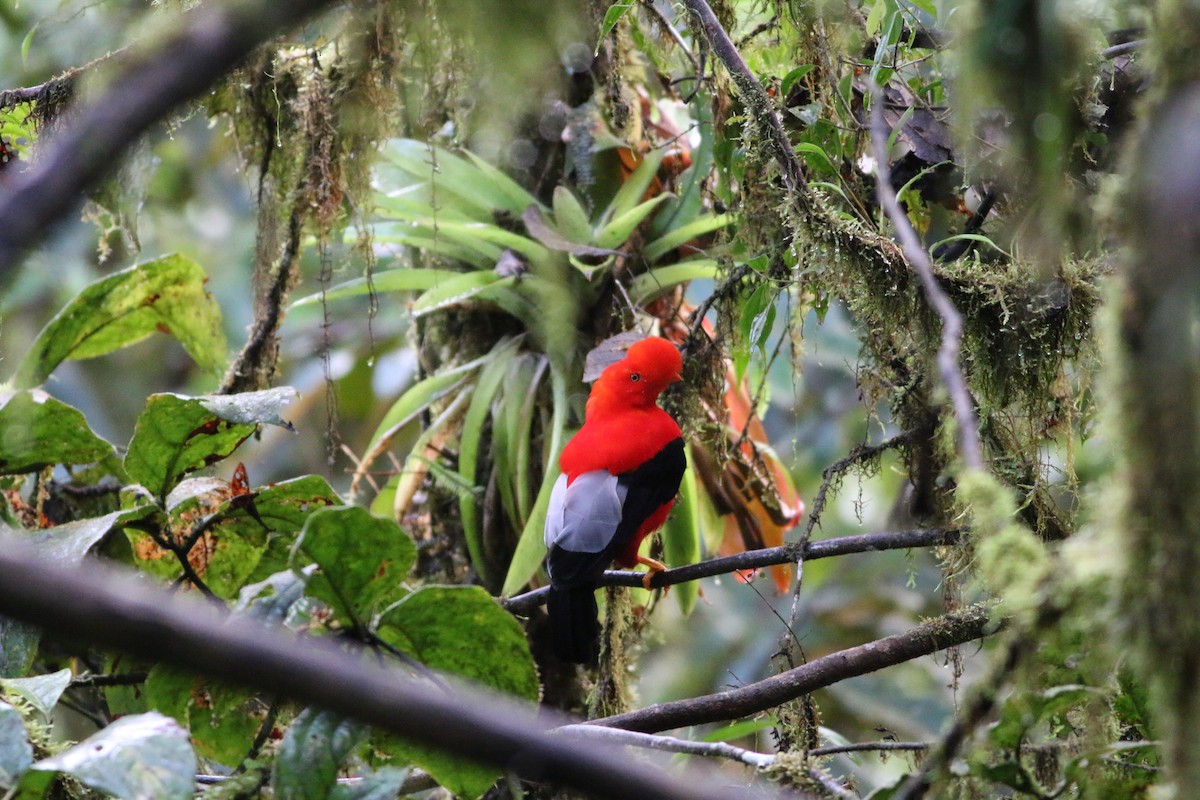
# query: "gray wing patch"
584,516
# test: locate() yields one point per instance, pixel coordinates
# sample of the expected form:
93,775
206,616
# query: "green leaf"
472,186
280,508
518,197
461,630
458,290
634,189
122,309
221,718
473,251
135,758
739,730
18,646
486,388
789,80
570,217
819,158
875,17
271,600
37,431
67,544
40,691
648,285
16,751
622,226
611,17
405,279
531,548
311,754
681,539
684,234
176,434
362,559
418,397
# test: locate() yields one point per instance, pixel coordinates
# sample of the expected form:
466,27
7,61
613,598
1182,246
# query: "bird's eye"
635,377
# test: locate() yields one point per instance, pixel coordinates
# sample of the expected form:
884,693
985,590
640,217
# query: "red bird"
620,475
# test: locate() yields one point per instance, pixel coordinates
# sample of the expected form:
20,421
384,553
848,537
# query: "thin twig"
831,786
946,631
669,744
116,679
829,476
666,25
756,559
952,322
1110,53
866,747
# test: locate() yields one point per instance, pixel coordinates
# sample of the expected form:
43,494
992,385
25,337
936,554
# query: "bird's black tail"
574,628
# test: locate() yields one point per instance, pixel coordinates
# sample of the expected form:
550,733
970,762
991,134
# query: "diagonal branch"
756,559
753,95
210,41
952,321
937,634
102,607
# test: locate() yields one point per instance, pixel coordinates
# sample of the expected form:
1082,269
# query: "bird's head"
649,366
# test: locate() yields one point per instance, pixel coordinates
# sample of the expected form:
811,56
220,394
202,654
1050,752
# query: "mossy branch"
949,630
756,559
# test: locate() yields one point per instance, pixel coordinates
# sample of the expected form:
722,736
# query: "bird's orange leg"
654,567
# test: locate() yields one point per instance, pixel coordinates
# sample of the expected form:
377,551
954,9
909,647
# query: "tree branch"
210,41
753,95
669,744
756,559
929,637
105,608
952,323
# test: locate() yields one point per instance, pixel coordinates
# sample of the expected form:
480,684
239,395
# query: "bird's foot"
654,567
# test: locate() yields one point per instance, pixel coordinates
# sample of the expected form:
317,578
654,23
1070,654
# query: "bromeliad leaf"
404,279
122,309
362,560
681,539
570,217
471,186
37,431
459,289
684,234
622,225
176,435
647,286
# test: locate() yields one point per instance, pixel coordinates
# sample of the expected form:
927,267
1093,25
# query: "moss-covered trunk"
1159,369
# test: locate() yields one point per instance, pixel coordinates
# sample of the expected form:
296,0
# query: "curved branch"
949,367
929,637
755,559
105,608
211,40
